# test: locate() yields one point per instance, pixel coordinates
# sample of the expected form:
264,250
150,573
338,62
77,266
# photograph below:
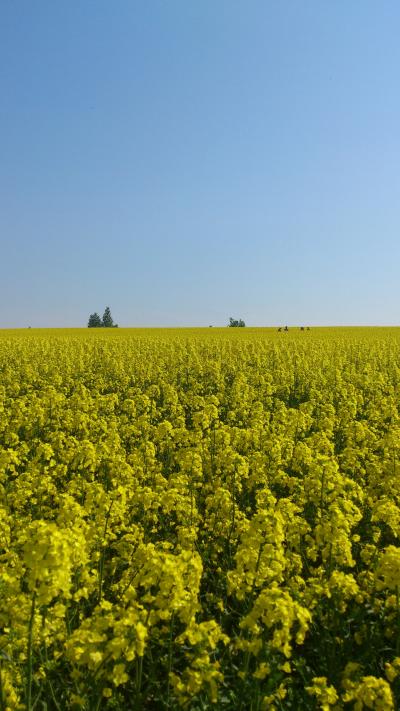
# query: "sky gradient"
184,162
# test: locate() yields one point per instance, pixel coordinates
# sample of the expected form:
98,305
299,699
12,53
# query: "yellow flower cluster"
196,518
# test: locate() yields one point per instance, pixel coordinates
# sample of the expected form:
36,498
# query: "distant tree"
94,321
108,320
234,323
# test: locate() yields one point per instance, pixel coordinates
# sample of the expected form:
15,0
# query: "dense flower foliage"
200,519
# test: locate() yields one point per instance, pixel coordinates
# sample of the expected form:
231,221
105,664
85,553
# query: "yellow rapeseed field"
200,518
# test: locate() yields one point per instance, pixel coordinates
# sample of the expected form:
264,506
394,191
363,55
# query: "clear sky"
184,161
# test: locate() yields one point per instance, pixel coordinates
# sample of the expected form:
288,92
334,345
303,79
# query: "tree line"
106,322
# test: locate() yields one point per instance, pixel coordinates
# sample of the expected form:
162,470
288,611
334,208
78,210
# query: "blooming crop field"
200,519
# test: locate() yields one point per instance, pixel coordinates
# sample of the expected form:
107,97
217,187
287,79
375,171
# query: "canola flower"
200,519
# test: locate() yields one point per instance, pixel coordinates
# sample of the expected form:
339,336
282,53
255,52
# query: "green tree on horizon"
107,321
236,323
94,321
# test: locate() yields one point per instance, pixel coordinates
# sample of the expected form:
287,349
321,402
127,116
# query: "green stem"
139,674
322,491
56,704
102,554
36,701
2,705
98,702
398,620
29,655
169,658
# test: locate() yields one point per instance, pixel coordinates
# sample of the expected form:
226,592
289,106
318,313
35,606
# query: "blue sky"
184,162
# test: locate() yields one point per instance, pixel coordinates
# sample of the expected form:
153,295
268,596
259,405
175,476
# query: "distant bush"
234,323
